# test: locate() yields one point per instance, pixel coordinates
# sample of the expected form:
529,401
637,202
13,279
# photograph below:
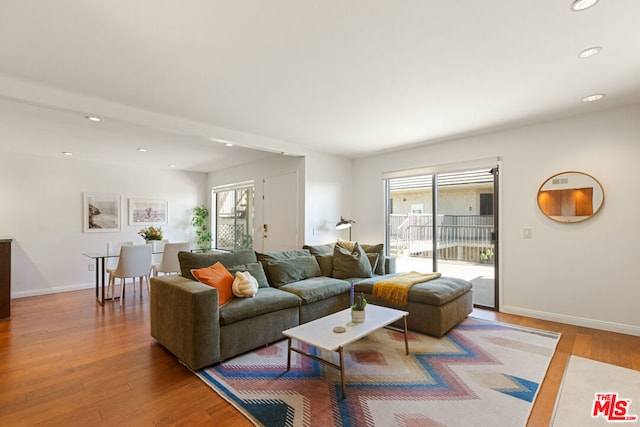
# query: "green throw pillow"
377,249
373,260
348,264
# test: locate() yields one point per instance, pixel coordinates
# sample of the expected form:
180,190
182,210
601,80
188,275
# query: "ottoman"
434,307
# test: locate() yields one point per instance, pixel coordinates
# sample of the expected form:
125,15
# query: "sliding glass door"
447,222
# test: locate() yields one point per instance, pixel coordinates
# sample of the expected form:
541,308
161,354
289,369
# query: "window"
233,206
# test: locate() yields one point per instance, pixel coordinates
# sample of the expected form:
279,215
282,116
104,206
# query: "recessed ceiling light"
594,97
579,5
589,52
172,165
93,118
67,153
228,144
142,150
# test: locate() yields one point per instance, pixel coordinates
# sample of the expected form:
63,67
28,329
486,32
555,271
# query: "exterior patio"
464,245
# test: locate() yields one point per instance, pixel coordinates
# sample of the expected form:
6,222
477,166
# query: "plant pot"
358,316
155,244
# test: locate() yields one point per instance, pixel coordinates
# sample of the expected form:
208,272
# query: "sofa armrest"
389,265
185,319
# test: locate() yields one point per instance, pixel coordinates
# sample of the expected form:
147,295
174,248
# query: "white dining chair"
134,261
169,263
113,251
157,249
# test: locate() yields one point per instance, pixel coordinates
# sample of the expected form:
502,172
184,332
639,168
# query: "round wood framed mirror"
570,197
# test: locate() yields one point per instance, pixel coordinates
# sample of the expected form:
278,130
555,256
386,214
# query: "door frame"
491,163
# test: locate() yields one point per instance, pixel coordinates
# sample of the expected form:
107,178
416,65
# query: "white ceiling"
350,77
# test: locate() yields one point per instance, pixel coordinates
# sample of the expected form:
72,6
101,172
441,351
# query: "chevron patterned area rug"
481,373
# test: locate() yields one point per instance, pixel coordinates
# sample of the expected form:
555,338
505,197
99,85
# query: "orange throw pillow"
218,277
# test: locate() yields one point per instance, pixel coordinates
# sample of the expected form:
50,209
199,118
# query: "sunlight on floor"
480,275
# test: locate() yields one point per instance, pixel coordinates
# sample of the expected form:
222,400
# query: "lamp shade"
344,223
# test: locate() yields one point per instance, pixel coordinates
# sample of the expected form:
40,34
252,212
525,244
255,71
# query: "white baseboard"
572,320
36,292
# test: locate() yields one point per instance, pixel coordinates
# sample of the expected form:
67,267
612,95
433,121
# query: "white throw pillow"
244,285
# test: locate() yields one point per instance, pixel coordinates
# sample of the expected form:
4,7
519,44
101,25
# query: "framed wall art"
148,211
102,212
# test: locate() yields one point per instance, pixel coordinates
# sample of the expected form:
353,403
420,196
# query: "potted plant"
485,256
151,233
358,308
199,223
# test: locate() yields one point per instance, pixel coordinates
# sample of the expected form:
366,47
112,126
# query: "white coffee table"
319,333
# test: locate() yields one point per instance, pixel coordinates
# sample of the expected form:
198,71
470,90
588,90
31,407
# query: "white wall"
258,171
324,185
41,207
582,273
329,195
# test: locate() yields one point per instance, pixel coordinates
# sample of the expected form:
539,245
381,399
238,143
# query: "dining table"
100,259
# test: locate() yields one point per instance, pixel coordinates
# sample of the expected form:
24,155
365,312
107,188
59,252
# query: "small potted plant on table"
358,309
151,233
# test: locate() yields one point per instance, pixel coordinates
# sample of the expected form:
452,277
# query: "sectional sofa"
295,287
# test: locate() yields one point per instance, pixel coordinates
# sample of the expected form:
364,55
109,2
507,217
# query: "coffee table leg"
406,341
344,388
289,355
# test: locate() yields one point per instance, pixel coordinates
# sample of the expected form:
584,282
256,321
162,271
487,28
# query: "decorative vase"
358,316
153,243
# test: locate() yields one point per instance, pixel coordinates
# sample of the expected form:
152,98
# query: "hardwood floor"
65,360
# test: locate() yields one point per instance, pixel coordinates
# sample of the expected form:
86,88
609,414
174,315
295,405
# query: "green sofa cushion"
325,261
255,269
265,301
326,249
350,263
434,292
376,249
266,257
317,288
189,260
291,270
278,256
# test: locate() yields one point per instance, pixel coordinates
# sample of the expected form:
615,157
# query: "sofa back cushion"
280,255
255,269
266,257
292,270
190,261
325,261
326,249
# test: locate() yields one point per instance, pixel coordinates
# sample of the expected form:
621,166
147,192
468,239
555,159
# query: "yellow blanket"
395,290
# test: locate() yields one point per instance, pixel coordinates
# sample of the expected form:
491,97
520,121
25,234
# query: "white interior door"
280,213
